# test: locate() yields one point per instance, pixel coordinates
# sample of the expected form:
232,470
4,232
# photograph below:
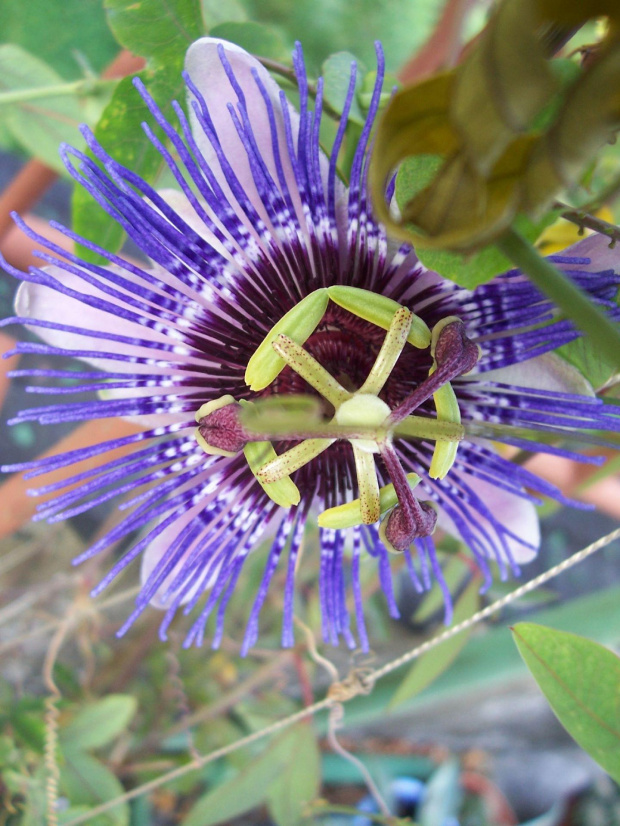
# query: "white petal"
204,66
517,514
596,248
181,205
546,372
205,69
43,303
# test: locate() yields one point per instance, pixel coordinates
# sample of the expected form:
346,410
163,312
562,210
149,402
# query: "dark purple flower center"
347,346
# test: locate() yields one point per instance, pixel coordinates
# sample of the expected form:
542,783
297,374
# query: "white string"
335,696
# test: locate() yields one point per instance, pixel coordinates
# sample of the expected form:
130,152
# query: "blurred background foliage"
85,717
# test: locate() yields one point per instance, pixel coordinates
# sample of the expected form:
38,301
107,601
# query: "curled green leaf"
497,157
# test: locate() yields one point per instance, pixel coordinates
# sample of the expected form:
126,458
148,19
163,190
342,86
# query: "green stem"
288,73
85,86
574,303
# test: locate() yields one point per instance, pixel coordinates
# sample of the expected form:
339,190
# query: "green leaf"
366,91
580,680
477,268
328,26
429,666
468,270
488,661
119,130
299,783
30,728
67,815
336,71
478,118
61,34
39,125
159,30
35,803
251,786
100,722
86,781
215,12
255,38
588,359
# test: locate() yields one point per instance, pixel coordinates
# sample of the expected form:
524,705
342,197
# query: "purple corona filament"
260,220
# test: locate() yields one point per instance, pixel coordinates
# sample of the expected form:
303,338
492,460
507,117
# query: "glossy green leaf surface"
581,681
155,29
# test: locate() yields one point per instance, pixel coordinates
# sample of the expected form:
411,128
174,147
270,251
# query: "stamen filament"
444,454
389,353
379,310
395,470
292,459
410,518
283,492
349,515
422,392
368,485
300,321
454,355
309,369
